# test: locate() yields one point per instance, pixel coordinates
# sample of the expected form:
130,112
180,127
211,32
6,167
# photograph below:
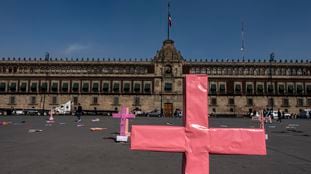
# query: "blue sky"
136,28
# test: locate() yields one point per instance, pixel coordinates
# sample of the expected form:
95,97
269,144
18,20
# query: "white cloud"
73,48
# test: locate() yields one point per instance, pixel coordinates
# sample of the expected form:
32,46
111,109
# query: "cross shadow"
110,138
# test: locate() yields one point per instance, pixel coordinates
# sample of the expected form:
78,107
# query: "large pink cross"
196,140
124,115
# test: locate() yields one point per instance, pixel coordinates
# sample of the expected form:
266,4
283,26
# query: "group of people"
268,115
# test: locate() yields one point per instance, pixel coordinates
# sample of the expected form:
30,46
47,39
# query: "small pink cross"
196,140
124,116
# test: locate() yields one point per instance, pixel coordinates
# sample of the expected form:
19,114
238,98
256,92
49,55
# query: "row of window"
261,88
33,100
76,70
251,71
78,87
249,102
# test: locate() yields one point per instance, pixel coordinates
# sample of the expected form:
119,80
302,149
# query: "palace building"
235,87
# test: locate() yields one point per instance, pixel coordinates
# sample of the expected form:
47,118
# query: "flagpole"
168,22
242,40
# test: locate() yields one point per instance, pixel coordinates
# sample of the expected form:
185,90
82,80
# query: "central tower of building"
169,78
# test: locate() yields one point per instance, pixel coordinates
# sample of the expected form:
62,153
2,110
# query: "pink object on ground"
97,128
51,116
124,115
196,140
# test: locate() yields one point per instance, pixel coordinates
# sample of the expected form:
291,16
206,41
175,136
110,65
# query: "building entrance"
168,109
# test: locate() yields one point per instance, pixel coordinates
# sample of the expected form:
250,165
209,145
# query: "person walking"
267,115
79,112
279,116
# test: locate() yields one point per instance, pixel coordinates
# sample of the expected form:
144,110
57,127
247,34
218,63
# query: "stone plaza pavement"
65,147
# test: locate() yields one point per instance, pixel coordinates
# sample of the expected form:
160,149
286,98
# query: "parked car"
178,113
287,115
154,113
32,112
138,112
304,114
18,112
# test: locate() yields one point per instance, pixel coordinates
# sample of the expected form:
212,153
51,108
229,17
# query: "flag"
169,20
169,15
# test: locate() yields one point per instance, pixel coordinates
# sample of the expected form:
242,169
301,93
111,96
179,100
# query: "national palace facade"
235,87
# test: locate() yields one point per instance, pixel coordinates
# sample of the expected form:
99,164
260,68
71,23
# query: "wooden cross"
196,140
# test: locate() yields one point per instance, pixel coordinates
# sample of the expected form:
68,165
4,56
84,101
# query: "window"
214,101
54,87
44,87
285,102
259,89
75,100
75,87
290,89
54,100
126,87
95,100
249,102
197,70
203,71
308,89
222,88
12,100
300,102
136,101
23,87
249,89
231,101
95,87
309,102
106,87
237,88
2,87
116,87
299,89
270,89
13,87
33,100
65,87
214,71
213,89
33,87
208,71
168,87
147,88
230,71
281,89
85,87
